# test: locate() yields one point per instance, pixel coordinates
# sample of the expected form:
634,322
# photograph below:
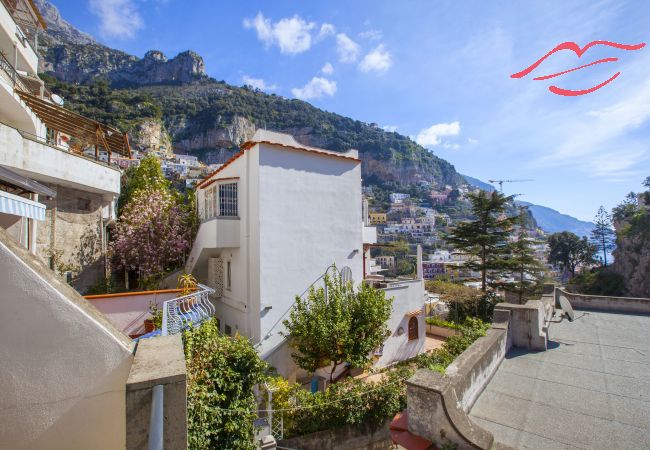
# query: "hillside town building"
273,219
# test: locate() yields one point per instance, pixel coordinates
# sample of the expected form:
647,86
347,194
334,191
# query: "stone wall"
72,237
345,438
603,303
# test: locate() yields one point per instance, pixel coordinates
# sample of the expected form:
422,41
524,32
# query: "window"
414,333
228,200
228,330
83,204
228,276
218,324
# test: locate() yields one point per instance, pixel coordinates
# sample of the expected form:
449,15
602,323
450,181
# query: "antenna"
567,311
500,182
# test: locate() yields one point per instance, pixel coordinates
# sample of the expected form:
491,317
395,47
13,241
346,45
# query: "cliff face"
76,57
632,253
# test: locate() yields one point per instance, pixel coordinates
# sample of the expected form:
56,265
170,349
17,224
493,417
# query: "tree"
603,235
567,251
347,325
485,237
464,301
152,235
222,372
148,176
523,263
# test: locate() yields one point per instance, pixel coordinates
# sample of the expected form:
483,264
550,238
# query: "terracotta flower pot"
148,326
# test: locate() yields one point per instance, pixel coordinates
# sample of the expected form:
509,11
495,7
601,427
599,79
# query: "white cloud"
371,35
326,29
347,49
450,146
389,128
316,88
327,69
291,35
118,18
431,136
378,60
258,83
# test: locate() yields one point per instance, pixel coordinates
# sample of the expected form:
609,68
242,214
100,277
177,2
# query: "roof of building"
285,141
590,389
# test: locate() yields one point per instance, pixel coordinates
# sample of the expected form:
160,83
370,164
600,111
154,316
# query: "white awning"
21,206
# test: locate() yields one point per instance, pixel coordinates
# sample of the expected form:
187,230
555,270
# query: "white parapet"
49,164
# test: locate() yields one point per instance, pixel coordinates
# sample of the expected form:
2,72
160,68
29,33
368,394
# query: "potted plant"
187,283
155,321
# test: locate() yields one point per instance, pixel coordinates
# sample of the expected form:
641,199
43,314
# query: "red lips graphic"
579,52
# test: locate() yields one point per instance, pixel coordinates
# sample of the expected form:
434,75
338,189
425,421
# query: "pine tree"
523,264
603,236
486,237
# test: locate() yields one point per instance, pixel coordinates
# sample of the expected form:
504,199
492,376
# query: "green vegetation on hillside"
192,110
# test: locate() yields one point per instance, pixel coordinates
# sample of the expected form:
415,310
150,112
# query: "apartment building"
55,200
377,218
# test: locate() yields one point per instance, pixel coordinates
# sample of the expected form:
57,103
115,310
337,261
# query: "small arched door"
414,333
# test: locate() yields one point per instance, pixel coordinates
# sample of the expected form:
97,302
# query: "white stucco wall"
299,211
63,366
310,217
44,163
27,58
408,296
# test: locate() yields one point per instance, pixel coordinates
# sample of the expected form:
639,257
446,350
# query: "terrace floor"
590,389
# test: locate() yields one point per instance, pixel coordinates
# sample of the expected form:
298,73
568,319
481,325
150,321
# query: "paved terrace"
590,389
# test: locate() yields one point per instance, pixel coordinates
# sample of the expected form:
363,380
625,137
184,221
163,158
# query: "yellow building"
377,218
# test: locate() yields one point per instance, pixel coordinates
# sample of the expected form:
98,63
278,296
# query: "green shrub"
221,374
348,402
355,402
598,282
438,322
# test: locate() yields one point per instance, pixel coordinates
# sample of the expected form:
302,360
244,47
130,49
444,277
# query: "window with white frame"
228,200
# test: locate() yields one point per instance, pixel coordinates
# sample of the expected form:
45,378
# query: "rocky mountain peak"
75,57
58,28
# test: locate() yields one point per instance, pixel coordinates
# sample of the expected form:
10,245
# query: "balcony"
20,23
214,235
34,158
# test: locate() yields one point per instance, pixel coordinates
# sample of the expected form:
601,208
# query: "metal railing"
181,312
10,74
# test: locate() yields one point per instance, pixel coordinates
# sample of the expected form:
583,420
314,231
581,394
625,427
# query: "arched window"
413,328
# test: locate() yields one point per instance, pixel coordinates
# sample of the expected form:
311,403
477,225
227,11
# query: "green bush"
348,402
438,322
598,282
221,374
355,402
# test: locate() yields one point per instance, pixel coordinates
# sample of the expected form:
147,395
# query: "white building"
65,224
398,197
187,160
64,369
274,218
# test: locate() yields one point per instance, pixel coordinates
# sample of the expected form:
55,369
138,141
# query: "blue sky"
438,71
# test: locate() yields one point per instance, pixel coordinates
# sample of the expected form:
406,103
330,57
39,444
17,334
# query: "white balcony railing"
181,312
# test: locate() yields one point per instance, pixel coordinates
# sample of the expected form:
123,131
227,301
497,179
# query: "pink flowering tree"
153,234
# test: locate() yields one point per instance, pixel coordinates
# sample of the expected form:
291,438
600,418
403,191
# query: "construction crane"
507,181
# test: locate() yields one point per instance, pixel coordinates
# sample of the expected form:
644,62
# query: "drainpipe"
248,245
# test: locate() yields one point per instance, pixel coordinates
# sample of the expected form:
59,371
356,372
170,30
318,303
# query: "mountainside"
211,118
478,183
548,219
553,221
